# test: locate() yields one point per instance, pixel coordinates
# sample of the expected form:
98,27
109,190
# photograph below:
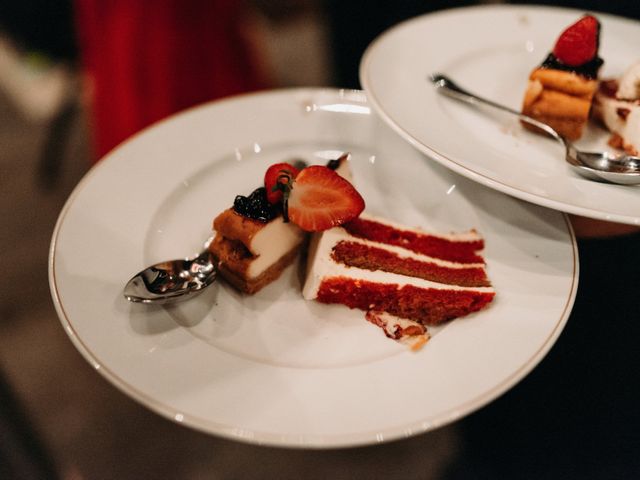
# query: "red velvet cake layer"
425,305
437,247
372,258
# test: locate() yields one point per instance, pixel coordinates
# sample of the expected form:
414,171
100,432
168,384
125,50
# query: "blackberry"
256,206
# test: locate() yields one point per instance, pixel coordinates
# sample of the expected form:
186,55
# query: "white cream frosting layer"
271,243
321,266
626,100
629,127
629,84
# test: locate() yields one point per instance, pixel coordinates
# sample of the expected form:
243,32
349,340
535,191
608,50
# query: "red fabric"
150,58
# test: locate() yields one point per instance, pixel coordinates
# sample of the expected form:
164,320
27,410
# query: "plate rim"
468,171
314,441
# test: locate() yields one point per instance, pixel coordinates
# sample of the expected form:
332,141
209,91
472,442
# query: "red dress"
147,59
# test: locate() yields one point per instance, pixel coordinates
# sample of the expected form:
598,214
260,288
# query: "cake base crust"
233,261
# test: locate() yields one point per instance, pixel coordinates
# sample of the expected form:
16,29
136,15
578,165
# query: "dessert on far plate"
262,233
379,266
560,91
617,106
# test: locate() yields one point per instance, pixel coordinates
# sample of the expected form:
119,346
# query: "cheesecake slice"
251,253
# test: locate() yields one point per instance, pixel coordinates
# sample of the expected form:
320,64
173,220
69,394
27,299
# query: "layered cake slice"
262,233
561,89
617,107
378,266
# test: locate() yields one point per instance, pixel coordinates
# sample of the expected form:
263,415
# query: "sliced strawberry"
578,43
276,178
321,199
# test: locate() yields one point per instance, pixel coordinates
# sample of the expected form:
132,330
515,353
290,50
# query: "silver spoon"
173,280
622,169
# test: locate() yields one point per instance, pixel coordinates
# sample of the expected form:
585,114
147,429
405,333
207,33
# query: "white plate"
273,368
491,50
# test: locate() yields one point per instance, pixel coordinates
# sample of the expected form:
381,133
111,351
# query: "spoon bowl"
602,166
172,280
620,169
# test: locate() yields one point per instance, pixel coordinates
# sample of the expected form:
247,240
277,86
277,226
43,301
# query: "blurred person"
145,60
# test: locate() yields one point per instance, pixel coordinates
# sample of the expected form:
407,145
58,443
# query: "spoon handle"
448,87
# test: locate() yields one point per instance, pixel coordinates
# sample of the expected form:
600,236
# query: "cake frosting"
376,265
617,106
406,331
629,84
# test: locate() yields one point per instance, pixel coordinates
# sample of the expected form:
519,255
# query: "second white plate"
491,50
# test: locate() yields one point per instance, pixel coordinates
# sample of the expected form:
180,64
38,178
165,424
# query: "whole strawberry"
578,44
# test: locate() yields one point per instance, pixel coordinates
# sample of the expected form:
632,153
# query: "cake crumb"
403,330
419,342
